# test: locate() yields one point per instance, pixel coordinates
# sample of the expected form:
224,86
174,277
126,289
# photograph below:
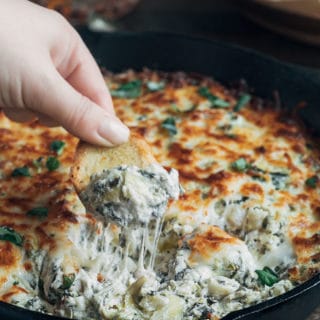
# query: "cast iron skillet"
169,52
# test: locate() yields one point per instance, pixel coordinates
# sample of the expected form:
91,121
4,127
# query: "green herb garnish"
215,101
21,172
258,178
267,276
155,86
67,281
128,90
312,182
52,163
170,125
242,102
38,212
240,165
220,103
8,234
57,146
15,283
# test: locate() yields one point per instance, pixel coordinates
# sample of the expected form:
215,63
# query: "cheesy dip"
245,229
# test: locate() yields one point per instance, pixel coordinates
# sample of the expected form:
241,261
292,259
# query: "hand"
48,72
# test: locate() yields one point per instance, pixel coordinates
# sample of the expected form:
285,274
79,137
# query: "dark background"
220,20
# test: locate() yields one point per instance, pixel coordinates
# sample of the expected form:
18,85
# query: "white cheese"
220,287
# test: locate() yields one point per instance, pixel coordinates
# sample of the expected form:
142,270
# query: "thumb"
56,98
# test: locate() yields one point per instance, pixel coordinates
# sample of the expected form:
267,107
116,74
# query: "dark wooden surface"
217,19
220,20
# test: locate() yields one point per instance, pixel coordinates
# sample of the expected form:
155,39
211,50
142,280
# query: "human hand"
48,72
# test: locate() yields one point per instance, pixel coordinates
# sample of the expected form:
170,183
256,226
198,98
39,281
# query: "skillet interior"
169,52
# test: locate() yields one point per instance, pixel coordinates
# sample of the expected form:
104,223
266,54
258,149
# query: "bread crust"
90,159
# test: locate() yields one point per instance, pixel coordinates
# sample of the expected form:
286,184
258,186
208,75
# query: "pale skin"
46,71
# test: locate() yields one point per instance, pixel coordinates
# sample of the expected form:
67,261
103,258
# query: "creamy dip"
130,196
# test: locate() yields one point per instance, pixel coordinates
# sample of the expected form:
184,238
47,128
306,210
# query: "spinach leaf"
52,163
170,125
128,90
57,146
215,101
240,165
242,102
38,211
267,276
21,172
8,234
279,179
67,281
312,182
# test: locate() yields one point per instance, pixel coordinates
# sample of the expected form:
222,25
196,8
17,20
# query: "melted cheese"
129,196
228,223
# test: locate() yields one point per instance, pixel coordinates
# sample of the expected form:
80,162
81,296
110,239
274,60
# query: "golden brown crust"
90,159
208,140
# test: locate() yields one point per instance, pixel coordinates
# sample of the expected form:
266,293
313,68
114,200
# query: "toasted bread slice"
90,159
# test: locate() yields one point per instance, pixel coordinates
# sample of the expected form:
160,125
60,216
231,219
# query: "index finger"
82,72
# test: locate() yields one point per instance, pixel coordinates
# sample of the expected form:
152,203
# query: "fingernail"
113,131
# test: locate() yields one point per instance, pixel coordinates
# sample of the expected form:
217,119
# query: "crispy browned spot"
211,241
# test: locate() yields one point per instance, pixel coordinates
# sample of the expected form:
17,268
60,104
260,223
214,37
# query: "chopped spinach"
170,125
8,234
312,182
155,86
257,173
241,200
279,179
215,101
267,276
52,163
21,172
258,178
111,210
242,102
67,281
240,165
38,211
57,146
128,90
220,206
